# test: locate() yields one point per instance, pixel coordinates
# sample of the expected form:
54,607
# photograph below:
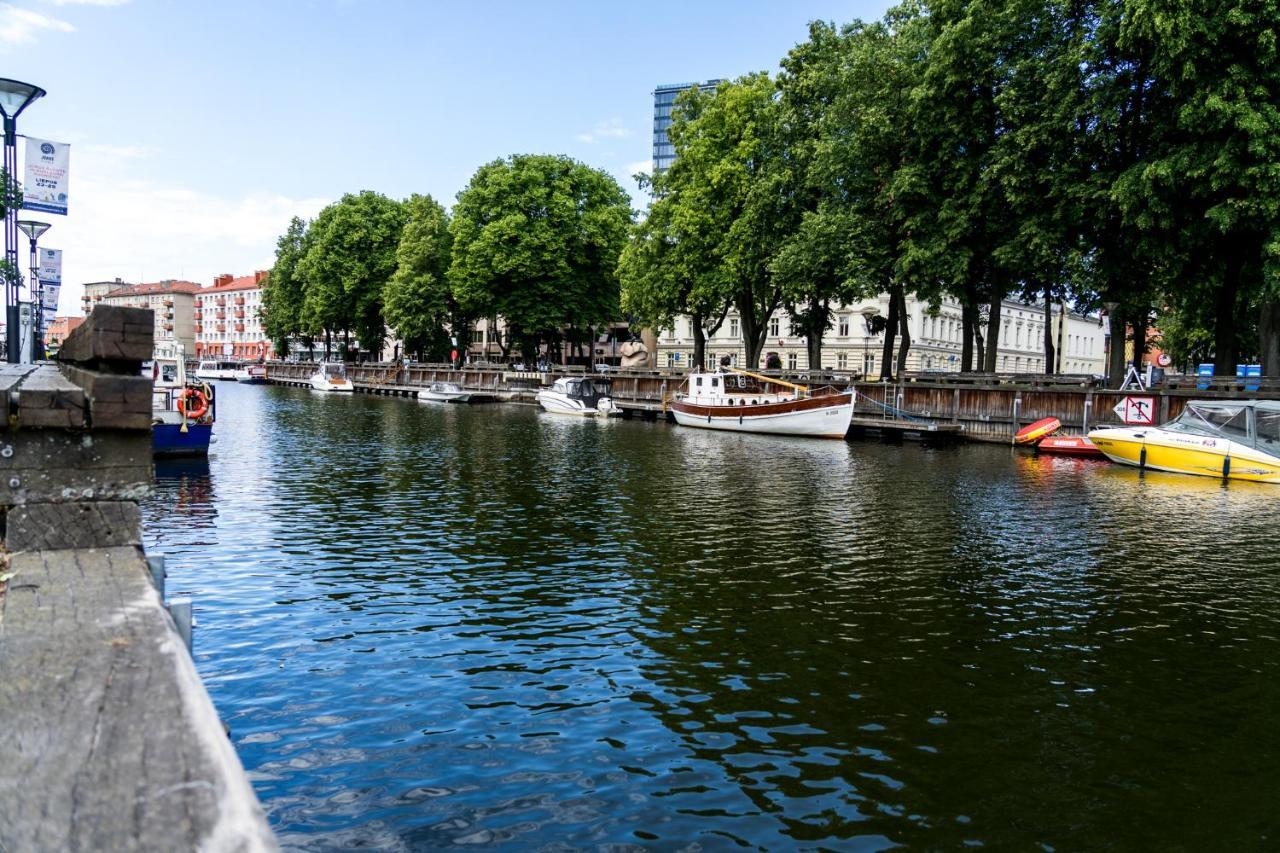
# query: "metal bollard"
158,573
180,610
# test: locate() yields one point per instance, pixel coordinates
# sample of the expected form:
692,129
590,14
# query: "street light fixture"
33,230
15,96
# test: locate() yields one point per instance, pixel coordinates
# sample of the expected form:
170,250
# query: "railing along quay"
975,406
108,740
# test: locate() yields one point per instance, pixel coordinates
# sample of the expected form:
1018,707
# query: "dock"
109,740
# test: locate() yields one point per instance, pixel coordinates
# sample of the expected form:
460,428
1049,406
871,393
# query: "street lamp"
33,230
15,96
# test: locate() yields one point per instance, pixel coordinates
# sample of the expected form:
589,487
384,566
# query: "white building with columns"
936,340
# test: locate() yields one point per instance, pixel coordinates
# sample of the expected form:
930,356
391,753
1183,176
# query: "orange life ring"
199,410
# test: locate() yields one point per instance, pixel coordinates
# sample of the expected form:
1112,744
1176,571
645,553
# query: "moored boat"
585,396
211,370
251,374
444,392
1069,445
1233,440
1033,432
183,412
739,401
331,376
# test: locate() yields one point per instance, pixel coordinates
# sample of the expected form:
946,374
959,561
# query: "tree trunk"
904,327
1140,336
1224,327
993,337
1049,366
755,330
890,337
699,343
819,320
1115,358
328,344
968,323
1269,338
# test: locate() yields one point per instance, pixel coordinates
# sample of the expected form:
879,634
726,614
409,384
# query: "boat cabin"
332,370
732,389
1253,423
589,391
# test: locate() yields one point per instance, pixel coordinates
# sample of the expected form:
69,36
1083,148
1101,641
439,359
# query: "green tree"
418,300
536,240
350,256
283,292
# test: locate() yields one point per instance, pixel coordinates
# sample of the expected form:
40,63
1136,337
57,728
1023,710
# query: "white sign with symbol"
1137,411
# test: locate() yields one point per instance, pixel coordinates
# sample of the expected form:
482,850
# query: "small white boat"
738,401
331,376
251,374
444,392
572,396
210,370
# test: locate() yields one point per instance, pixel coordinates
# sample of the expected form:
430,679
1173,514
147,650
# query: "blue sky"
199,128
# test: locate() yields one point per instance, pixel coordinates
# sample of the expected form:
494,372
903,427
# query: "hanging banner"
44,186
50,266
49,295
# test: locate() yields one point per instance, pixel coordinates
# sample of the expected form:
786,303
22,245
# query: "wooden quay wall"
108,740
979,407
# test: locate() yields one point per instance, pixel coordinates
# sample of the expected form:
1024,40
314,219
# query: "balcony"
239,313
197,328
222,300
197,314
168,327
168,303
222,327
239,327
239,300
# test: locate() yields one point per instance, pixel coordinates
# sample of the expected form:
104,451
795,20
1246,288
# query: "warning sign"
1137,411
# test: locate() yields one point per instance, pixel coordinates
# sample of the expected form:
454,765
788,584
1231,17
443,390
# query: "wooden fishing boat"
738,401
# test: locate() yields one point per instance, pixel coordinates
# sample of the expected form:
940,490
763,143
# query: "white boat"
1230,439
444,392
578,396
182,412
331,376
211,370
251,374
738,401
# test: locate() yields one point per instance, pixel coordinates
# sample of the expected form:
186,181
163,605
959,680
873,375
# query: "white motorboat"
331,376
444,392
739,401
251,374
584,396
210,370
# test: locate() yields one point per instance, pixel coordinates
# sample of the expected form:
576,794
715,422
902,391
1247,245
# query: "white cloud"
140,230
20,26
88,2
611,129
645,166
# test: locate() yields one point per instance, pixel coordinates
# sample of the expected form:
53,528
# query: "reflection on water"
438,625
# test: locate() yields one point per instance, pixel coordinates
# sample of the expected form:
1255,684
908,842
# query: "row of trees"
1115,153
532,239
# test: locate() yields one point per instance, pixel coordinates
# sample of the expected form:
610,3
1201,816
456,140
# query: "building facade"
936,340
228,319
172,301
664,96
58,331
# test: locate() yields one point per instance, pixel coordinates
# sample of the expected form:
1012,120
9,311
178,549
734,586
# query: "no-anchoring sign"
1137,411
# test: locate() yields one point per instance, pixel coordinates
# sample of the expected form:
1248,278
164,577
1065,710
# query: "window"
868,364
715,382
775,327
843,327
733,323
842,361
1269,431
791,361
699,381
671,359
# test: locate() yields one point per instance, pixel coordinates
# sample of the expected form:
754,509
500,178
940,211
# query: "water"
432,626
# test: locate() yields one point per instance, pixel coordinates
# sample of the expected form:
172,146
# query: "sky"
198,129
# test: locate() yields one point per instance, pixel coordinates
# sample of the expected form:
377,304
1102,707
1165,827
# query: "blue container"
1254,372
1204,372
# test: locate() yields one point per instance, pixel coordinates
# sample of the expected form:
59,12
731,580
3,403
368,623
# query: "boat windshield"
1219,420
336,371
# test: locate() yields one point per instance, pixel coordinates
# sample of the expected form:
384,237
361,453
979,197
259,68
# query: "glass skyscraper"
664,154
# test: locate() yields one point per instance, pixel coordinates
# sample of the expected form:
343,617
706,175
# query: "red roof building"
228,323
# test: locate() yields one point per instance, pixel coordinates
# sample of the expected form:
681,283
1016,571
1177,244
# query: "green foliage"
283,293
536,240
418,301
351,254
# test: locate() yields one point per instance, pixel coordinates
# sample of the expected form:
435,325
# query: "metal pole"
12,290
37,309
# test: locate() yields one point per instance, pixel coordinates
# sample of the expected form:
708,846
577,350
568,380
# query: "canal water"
439,626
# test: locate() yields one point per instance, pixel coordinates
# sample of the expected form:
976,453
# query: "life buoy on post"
197,410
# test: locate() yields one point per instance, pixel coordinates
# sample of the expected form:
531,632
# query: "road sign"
1137,411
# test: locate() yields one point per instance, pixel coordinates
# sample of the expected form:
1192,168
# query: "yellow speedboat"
1231,439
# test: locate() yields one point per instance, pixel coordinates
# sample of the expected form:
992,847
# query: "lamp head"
16,95
32,228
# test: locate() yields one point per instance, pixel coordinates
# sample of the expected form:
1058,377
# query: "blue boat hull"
168,440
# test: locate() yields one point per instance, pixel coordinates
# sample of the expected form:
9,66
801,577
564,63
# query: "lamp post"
33,230
867,313
15,96
1110,340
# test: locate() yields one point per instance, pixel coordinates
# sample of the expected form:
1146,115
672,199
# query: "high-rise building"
664,153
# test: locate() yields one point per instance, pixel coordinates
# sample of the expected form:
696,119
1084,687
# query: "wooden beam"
112,335
116,400
46,398
49,465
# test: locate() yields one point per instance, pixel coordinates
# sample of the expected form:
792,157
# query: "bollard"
180,610
158,574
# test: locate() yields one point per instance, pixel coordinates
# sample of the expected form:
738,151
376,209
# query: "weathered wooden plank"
116,401
111,334
57,465
46,398
109,740
80,524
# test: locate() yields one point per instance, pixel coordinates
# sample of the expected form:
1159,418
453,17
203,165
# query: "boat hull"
437,397
559,404
168,441
344,386
1186,453
816,417
1069,445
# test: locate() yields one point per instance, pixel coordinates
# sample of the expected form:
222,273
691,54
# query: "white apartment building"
172,301
936,340
228,321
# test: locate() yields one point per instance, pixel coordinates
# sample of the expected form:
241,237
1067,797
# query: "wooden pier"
108,740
